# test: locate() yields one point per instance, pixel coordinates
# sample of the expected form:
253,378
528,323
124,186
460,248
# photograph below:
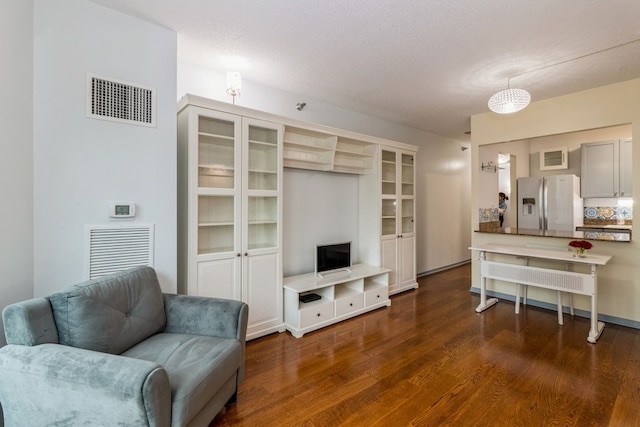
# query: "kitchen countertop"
598,233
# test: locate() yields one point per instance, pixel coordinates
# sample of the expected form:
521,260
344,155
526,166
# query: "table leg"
596,327
560,322
484,302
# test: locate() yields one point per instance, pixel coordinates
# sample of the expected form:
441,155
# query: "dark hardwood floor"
430,360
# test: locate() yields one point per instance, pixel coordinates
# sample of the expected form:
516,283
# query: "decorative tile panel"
608,215
608,212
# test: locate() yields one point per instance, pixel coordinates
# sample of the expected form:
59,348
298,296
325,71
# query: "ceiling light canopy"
509,101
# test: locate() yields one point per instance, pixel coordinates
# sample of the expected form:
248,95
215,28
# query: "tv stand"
343,295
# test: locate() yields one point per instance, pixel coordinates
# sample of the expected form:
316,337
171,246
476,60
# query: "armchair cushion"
195,364
124,307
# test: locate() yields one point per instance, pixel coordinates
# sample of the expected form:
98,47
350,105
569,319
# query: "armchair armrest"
55,384
215,317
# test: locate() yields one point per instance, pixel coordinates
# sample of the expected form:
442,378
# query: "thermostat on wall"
122,209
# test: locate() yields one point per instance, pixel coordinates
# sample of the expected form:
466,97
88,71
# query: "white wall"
443,208
443,170
315,212
79,163
16,152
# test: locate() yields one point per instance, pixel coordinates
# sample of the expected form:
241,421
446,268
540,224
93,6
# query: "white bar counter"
549,278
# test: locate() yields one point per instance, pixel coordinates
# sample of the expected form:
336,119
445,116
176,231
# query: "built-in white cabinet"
342,295
606,169
230,214
626,170
554,158
397,218
230,210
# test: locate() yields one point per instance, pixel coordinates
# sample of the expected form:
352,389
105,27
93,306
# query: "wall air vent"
112,248
124,102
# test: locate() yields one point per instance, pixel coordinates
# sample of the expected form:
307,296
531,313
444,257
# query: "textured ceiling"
428,64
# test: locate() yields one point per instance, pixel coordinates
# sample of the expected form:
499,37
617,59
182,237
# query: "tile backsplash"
489,220
608,215
488,214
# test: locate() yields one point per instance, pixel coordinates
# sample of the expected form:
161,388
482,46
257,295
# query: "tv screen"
335,256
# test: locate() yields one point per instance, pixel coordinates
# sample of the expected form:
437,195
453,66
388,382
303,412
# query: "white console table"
559,280
343,294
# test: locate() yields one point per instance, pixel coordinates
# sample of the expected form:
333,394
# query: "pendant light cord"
571,59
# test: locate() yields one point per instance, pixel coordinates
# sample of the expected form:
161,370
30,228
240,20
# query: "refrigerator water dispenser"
528,206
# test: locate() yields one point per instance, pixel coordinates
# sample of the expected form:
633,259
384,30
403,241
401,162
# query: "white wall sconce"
234,84
490,167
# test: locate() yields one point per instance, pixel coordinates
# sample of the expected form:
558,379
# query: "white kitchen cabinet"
397,218
606,169
554,158
626,170
230,209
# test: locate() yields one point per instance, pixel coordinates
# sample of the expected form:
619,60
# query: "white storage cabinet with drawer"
343,294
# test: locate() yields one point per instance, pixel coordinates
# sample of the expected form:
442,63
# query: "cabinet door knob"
350,304
318,314
239,254
246,254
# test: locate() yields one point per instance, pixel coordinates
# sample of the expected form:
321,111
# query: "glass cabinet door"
263,158
262,142
407,174
407,216
216,153
263,222
388,217
388,172
216,224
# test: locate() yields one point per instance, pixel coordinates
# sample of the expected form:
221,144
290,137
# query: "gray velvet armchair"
117,351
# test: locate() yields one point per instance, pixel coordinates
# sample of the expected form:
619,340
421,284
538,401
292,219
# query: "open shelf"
305,149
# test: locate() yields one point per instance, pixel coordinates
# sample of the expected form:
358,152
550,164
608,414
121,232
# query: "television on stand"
332,257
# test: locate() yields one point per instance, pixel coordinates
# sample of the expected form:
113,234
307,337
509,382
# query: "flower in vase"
580,247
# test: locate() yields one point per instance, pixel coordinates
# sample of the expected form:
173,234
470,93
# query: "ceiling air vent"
114,100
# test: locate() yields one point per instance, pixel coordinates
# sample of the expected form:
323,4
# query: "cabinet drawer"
316,313
349,304
376,295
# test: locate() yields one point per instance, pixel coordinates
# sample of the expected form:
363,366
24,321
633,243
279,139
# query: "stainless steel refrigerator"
550,203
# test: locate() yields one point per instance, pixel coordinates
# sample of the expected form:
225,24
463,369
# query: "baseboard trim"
446,267
582,313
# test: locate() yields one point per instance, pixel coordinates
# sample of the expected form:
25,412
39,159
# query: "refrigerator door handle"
545,204
540,205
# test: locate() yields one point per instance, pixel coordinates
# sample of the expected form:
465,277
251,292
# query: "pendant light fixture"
509,100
